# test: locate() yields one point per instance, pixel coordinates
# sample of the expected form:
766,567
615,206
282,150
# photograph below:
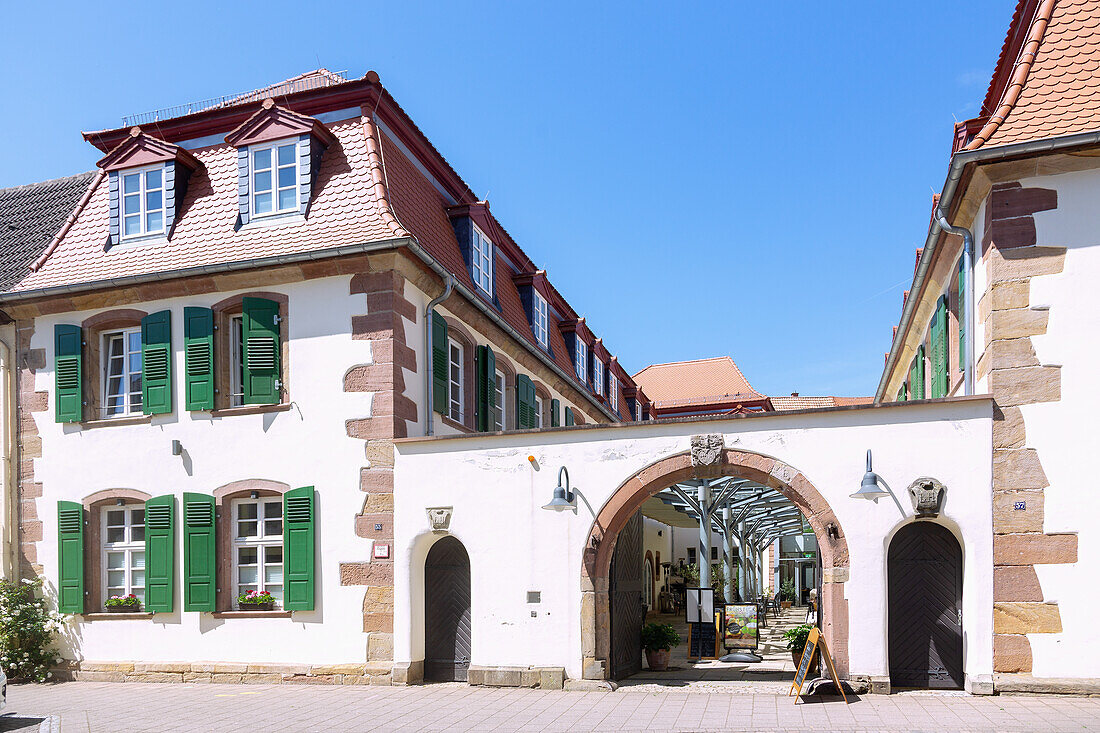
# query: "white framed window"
542,321
454,377
501,410
582,361
481,262
258,546
597,375
273,178
614,396
123,535
236,361
143,201
121,368
538,411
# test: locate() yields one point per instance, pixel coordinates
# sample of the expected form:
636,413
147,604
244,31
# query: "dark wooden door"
447,612
625,597
925,596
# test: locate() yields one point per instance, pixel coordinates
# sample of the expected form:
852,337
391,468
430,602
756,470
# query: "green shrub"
787,591
796,637
28,631
659,636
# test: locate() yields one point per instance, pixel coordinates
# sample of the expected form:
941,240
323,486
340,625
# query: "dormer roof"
272,122
143,149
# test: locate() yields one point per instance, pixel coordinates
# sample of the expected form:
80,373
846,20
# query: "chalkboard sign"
702,641
813,641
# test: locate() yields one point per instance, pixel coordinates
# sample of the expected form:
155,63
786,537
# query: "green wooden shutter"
555,413
299,517
569,417
525,402
198,347
160,553
941,375
486,387
262,352
916,375
68,373
962,317
156,363
70,557
199,553
440,364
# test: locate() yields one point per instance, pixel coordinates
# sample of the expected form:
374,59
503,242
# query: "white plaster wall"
658,545
515,546
1064,432
307,445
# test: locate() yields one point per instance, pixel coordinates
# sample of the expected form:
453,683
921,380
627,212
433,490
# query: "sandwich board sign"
813,642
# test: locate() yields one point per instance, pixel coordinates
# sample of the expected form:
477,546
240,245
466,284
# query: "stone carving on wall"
439,517
706,455
926,494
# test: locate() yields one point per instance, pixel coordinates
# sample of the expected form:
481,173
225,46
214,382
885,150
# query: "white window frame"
260,541
131,548
598,368
613,383
541,313
105,359
538,411
236,360
582,361
455,379
481,261
500,418
275,189
143,201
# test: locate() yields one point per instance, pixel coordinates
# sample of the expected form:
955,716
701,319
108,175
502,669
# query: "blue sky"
697,179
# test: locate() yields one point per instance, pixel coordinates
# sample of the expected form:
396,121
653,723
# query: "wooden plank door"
625,597
447,612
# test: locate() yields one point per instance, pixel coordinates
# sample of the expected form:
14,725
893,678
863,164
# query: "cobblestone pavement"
125,707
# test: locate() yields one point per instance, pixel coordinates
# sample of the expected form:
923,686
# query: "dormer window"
481,262
274,178
541,321
143,201
614,396
597,375
582,361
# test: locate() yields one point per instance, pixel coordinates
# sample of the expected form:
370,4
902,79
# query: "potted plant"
122,604
796,643
658,640
786,593
256,601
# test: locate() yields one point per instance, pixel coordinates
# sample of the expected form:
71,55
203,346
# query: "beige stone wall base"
354,673
1025,683
547,678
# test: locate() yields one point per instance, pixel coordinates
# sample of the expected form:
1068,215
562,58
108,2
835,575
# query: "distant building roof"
697,384
798,402
30,217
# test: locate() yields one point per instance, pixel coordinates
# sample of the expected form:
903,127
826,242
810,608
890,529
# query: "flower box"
123,604
123,609
256,601
261,606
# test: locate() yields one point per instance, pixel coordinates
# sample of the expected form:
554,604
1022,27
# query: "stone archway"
762,469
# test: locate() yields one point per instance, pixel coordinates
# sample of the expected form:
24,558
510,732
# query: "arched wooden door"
924,567
447,612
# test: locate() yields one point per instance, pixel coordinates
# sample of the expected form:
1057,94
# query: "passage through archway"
762,470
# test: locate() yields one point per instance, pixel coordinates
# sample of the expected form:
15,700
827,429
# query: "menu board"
813,641
742,622
702,641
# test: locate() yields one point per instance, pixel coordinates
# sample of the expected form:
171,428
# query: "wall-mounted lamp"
564,498
254,494
120,502
869,488
177,448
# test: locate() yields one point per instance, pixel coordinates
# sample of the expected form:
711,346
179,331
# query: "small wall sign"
1020,506
381,552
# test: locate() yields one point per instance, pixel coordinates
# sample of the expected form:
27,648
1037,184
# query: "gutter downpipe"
9,521
448,287
968,286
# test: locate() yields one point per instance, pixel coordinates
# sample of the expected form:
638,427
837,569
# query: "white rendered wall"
515,546
307,445
1065,432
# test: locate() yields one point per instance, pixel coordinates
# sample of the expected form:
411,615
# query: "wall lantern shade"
564,499
869,488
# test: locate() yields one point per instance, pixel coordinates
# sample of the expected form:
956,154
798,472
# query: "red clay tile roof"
699,382
799,402
1047,81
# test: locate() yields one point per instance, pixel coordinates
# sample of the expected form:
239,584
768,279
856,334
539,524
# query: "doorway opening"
447,638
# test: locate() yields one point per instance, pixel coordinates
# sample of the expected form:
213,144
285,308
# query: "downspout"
9,522
448,286
968,299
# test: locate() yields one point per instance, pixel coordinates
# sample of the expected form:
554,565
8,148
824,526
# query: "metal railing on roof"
291,86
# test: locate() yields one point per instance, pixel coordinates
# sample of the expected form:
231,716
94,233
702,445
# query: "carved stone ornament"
439,517
706,455
927,496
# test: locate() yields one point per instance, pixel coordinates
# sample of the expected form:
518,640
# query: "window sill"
251,614
455,424
250,410
107,421
117,616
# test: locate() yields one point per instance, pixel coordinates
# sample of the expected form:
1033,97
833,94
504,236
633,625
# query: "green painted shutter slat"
440,364
962,317
940,372
156,363
486,387
160,553
916,378
569,417
525,402
299,520
555,413
199,553
70,557
262,352
68,373
198,349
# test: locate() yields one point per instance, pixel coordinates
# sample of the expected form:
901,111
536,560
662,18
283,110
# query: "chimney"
794,394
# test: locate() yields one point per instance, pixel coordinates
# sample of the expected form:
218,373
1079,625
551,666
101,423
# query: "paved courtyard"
118,707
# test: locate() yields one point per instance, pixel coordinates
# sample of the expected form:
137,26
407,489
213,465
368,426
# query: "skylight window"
143,201
541,321
481,262
274,178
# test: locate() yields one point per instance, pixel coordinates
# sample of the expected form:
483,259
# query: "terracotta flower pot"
784,604
657,659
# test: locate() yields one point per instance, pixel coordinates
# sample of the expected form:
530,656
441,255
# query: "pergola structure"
747,515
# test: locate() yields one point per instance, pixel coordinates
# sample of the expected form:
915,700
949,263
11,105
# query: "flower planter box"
268,606
123,609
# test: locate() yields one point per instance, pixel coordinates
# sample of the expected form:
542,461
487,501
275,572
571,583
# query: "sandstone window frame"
224,312
224,496
93,329
457,332
95,575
